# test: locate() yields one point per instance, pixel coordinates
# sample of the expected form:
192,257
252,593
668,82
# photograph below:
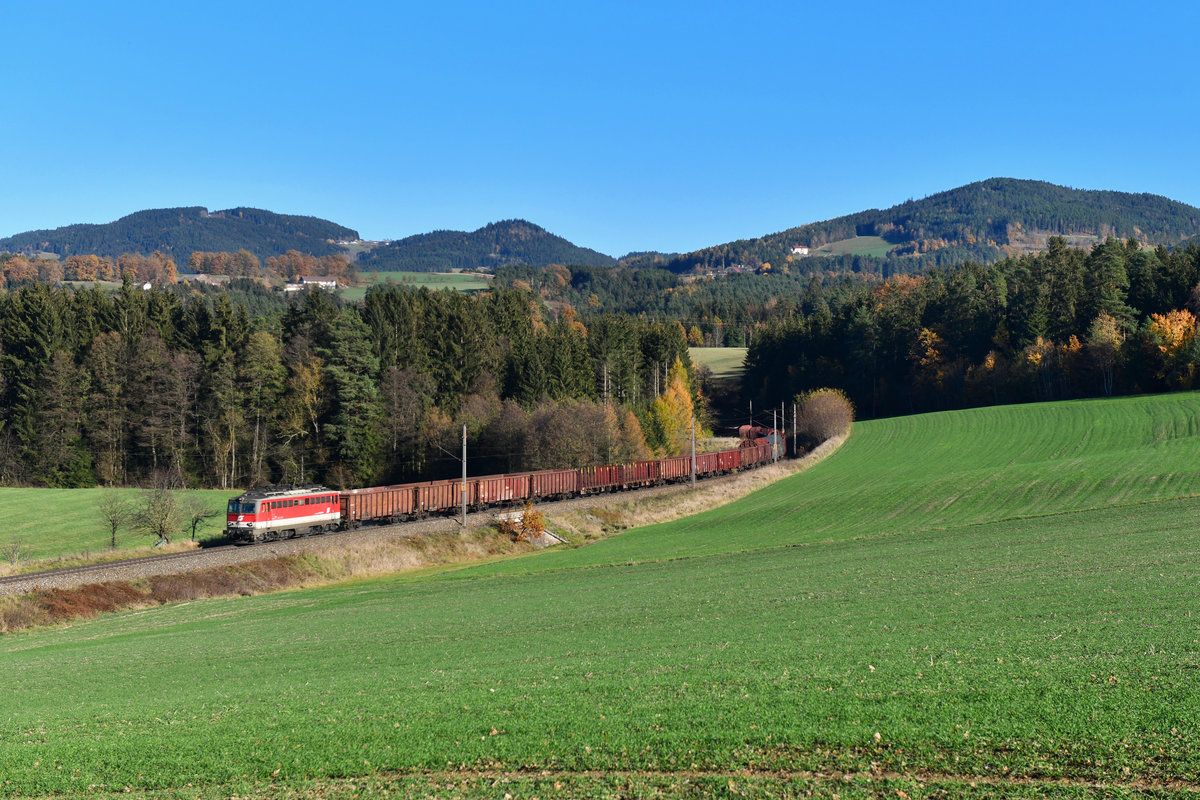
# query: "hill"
496,244
982,221
988,603
180,231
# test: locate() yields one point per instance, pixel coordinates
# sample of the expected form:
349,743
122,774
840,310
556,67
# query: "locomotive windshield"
240,508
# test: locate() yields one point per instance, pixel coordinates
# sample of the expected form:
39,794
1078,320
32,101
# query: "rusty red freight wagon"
603,478
554,483
496,490
379,504
437,497
675,468
707,464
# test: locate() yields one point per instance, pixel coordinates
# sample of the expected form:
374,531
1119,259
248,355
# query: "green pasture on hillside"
60,522
991,602
463,282
857,246
725,362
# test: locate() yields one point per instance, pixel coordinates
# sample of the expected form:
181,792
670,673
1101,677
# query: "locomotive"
273,513
276,512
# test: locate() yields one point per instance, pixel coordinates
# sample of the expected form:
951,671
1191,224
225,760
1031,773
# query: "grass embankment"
989,602
65,524
361,559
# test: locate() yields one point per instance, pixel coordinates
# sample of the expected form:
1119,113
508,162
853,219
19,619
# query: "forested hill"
180,231
497,244
982,221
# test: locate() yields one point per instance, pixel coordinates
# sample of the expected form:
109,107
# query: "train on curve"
283,512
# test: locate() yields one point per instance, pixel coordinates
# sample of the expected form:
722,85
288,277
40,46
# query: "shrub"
508,528
533,524
823,414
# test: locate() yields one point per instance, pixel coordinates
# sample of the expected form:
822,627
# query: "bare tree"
13,552
195,511
159,514
116,511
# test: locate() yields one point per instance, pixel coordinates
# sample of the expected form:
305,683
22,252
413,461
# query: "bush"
533,524
823,414
508,528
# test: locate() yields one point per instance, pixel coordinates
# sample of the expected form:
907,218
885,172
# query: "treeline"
127,387
155,268
159,268
1063,323
724,311
290,266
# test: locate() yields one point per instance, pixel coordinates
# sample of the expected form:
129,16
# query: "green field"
51,523
979,603
725,362
856,246
463,282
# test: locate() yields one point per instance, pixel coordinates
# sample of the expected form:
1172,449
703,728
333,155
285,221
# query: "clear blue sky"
619,125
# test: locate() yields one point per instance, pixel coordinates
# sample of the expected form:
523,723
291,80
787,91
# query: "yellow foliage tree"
1175,333
672,412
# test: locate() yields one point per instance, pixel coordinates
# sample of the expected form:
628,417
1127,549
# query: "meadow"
55,523
978,603
858,246
725,362
462,282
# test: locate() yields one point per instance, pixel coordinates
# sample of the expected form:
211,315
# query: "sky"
622,126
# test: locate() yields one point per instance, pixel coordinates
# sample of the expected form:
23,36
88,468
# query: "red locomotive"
272,513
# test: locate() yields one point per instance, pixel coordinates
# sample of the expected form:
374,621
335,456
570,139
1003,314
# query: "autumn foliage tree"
673,412
1174,334
823,414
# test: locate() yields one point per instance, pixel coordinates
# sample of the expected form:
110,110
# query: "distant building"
321,281
200,277
799,249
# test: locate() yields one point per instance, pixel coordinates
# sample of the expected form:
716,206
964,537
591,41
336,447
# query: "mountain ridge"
181,230
507,242
981,221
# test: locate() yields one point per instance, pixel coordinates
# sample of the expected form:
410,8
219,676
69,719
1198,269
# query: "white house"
799,250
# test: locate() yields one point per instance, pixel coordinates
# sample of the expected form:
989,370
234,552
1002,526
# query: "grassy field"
725,362
433,280
52,523
857,246
981,603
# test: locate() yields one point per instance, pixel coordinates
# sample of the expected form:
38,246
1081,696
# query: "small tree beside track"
823,414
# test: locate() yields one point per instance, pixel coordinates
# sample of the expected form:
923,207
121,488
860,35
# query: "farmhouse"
799,249
321,281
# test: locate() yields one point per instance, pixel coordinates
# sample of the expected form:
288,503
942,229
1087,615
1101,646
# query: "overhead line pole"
464,479
693,451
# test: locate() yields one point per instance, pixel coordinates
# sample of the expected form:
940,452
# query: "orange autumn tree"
1174,333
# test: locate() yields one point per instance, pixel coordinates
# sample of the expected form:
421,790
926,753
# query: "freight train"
276,512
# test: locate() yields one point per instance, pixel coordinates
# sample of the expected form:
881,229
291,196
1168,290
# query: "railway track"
50,576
